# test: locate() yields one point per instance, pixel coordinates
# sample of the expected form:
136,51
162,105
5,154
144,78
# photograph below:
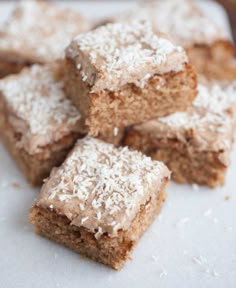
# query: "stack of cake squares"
105,116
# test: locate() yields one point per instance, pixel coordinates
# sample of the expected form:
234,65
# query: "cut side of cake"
196,144
37,32
100,201
38,124
125,73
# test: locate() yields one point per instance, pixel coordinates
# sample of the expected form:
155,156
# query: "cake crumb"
227,197
16,185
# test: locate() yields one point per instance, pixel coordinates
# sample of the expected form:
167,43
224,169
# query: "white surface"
192,244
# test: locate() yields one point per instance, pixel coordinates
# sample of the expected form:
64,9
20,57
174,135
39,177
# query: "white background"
192,243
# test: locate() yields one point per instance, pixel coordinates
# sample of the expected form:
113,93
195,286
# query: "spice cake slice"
125,73
38,124
207,44
100,201
196,144
37,32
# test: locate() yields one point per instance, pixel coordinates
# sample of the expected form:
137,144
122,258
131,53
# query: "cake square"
195,145
208,45
100,201
38,124
125,73
36,32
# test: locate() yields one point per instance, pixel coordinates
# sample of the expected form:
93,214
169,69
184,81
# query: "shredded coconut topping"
207,126
37,107
184,21
120,53
217,98
211,107
40,30
110,183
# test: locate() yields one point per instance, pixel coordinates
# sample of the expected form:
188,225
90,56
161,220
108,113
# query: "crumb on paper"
227,197
16,185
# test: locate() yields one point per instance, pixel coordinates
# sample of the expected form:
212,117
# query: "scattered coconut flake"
155,258
215,220
99,233
83,220
115,131
200,260
195,187
208,212
163,273
182,221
